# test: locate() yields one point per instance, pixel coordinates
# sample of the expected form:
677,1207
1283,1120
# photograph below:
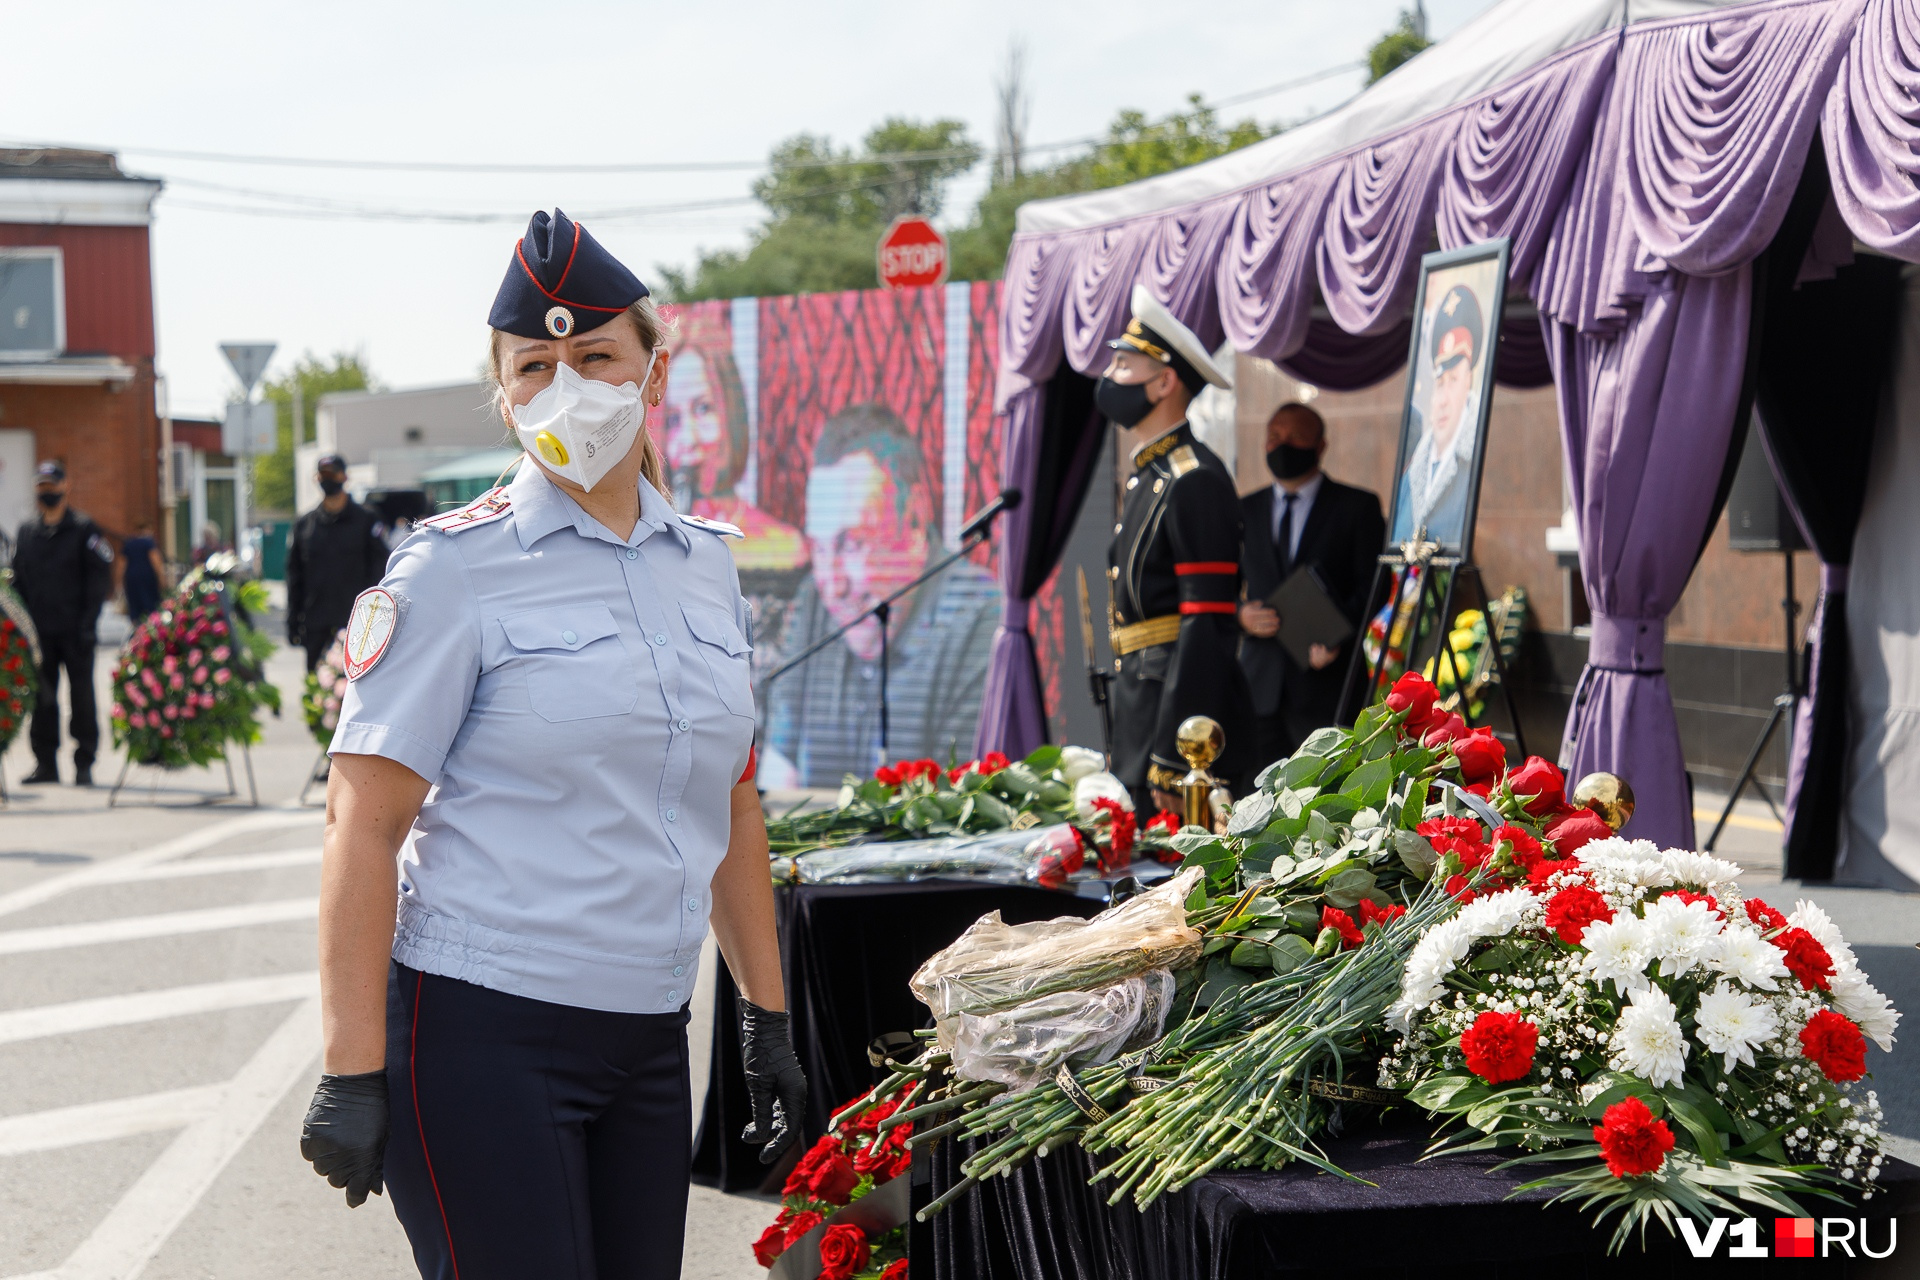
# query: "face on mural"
694,437
865,542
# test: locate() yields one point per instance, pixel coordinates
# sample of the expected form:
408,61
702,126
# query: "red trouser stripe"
1186,567
1208,606
413,1076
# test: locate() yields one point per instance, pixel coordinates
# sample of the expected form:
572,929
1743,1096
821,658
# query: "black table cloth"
1446,1219
848,951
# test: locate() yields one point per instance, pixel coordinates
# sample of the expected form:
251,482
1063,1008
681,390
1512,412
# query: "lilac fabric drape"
1012,716
1872,129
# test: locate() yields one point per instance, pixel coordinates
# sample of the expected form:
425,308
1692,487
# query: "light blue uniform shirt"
581,706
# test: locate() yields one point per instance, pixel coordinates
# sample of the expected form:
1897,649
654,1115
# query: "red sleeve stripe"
753,763
1208,606
1206,566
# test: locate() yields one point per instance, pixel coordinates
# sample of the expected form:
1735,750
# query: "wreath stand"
1431,604
317,774
232,791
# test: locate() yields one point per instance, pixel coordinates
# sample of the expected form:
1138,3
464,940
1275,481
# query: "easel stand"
1783,706
232,792
1432,605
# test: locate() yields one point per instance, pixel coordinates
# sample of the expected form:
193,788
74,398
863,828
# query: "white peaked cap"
1154,332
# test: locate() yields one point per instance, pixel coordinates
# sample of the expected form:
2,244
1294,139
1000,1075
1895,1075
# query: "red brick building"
76,335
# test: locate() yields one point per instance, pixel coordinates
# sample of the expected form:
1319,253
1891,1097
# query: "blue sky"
567,81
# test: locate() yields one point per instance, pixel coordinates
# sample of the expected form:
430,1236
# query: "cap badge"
559,321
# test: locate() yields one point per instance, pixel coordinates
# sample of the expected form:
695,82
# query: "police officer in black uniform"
63,569
338,550
1174,564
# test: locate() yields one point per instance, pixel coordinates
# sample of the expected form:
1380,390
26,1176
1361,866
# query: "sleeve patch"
376,616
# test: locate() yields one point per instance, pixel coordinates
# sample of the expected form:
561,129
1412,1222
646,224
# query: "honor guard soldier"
1174,564
549,723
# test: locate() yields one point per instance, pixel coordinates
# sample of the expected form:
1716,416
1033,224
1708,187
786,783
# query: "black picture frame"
1481,270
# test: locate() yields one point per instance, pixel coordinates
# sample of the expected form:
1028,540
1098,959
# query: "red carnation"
1435,828
887,775
1167,821
1806,958
1121,829
1542,780
1414,694
1576,830
1835,1045
994,762
1384,915
1713,903
834,1179
797,1180
1571,910
1335,918
843,1251
1526,850
960,771
1457,887
896,1270
1443,729
803,1222
1631,1139
1499,1046
1764,917
1541,872
772,1242
1481,756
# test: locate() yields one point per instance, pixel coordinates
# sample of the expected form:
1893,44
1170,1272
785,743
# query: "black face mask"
1125,403
331,487
49,500
1290,461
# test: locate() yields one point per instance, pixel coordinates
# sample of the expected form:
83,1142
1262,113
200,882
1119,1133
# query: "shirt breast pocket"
577,667
726,652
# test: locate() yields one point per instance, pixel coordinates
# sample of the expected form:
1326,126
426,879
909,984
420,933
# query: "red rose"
1835,1045
1481,756
1806,958
843,1251
896,1270
1413,694
1443,729
1542,780
1764,917
960,771
1576,830
1049,873
834,1179
1526,850
994,762
1499,1046
1713,903
1385,915
868,1121
797,1180
803,1222
1335,918
1457,886
1631,1139
772,1243
1571,910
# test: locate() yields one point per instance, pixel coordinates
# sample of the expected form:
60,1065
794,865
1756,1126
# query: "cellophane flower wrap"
866,1149
1673,1045
325,689
19,664
192,676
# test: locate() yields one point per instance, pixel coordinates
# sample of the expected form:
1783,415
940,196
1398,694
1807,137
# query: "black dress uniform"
64,573
1174,568
332,558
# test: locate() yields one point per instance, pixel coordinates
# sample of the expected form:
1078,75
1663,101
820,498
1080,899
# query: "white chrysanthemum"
1634,862
1732,1024
1496,913
1699,869
1678,933
1616,952
1807,915
1099,786
1854,996
1648,1041
1077,762
1432,959
1744,955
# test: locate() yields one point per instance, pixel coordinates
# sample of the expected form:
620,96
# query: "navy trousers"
535,1140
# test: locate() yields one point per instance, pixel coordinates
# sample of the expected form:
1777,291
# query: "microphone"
979,523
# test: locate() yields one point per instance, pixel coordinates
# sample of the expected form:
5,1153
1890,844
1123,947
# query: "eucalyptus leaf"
1016,780
1369,784
1302,770
1319,828
1054,792
1324,742
1347,888
1367,820
1251,814
1416,855
1043,759
1221,978
1288,952
1249,955
1283,868
992,808
1335,808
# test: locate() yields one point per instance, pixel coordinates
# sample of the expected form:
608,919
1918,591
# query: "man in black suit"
1305,518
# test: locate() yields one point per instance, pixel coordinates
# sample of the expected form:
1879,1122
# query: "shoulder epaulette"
485,509
720,527
1183,460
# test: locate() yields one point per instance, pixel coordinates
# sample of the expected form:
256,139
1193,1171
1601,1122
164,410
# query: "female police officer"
550,721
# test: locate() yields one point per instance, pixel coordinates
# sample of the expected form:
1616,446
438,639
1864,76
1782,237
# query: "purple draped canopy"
1638,175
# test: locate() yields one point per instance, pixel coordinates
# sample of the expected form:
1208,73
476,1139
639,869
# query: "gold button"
1158,485
1116,664
1116,528
1113,571
1133,482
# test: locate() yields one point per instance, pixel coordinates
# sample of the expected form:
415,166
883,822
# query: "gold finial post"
1200,740
1608,795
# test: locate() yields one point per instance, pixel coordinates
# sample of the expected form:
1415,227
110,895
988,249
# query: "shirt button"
693,904
659,637
671,815
685,724
679,969
673,997
569,637
632,554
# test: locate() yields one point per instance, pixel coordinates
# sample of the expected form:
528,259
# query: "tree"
1399,45
273,472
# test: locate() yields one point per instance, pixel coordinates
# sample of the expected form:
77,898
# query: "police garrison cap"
561,282
1154,332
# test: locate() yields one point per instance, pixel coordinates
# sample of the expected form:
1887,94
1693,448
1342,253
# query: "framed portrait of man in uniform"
1443,427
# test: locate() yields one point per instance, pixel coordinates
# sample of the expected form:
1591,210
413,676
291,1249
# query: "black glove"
774,1080
345,1134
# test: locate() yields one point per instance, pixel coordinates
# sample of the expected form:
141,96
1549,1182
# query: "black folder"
1308,615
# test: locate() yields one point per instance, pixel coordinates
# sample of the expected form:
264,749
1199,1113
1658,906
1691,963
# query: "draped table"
848,951
1444,1218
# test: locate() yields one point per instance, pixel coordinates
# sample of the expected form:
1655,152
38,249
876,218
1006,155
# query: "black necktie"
1285,548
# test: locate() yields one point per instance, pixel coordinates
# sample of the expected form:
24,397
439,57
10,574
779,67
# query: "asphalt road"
160,1036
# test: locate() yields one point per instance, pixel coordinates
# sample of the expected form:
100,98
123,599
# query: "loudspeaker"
1758,518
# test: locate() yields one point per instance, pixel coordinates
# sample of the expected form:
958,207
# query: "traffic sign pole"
248,361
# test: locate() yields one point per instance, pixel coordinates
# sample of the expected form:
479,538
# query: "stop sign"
913,253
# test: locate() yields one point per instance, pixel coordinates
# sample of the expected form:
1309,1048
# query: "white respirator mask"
579,427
